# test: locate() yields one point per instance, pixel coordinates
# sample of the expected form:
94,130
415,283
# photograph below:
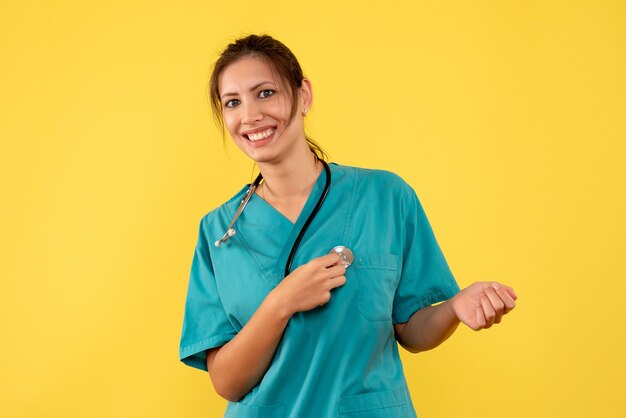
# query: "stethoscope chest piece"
347,258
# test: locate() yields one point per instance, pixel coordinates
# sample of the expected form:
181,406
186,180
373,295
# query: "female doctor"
312,332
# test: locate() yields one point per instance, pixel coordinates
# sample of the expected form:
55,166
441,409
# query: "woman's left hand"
483,304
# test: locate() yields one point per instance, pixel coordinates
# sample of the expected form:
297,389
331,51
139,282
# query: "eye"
266,93
231,103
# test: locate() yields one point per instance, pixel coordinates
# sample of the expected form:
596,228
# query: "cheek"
281,111
285,105
230,123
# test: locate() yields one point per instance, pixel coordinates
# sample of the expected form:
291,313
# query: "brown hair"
280,59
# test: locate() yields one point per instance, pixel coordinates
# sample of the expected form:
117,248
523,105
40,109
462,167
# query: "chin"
265,158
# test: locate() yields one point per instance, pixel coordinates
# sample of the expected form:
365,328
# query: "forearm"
428,327
242,362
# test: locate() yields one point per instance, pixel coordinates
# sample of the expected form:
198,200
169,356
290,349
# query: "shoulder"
377,180
226,210
383,188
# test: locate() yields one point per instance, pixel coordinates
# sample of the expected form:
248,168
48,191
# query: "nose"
251,113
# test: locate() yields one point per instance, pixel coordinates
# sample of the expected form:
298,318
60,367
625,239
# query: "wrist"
278,304
450,311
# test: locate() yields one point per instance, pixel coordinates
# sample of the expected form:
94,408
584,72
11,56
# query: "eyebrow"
251,88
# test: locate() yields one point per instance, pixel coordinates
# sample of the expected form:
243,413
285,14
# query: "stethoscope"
344,252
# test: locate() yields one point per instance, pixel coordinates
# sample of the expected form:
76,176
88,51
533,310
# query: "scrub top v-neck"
264,214
341,359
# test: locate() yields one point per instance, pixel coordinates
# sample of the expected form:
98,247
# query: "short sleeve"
205,323
425,277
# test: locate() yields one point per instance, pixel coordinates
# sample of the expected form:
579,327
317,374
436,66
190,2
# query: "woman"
317,338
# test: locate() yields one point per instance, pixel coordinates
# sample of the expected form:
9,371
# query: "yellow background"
508,118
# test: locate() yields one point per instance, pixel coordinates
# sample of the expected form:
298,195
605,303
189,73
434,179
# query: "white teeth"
261,135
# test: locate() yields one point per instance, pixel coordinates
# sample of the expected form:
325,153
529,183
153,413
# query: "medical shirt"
340,359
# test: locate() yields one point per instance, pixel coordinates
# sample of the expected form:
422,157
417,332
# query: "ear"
306,95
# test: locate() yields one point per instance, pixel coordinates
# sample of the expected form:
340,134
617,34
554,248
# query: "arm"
239,365
427,328
479,306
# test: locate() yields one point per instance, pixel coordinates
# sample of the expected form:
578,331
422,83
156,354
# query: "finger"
511,292
328,260
507,289
490,313
509,302
334,271
479,320
496,303
337,281
326,298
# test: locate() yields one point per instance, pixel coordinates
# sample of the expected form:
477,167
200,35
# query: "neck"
291,179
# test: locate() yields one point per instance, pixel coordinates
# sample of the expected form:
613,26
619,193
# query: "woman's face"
256,108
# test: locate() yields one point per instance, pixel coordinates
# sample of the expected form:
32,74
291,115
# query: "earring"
304,112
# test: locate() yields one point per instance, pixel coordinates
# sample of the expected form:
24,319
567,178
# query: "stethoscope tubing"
320,201
230,231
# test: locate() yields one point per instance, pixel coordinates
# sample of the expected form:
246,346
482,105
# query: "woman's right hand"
240,364
309,286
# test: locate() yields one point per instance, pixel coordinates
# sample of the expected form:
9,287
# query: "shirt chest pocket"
241,410
377,278
386,404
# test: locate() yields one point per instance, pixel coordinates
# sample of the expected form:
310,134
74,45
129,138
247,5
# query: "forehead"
246,73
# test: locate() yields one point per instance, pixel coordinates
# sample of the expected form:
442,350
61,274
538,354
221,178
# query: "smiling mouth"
257,136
